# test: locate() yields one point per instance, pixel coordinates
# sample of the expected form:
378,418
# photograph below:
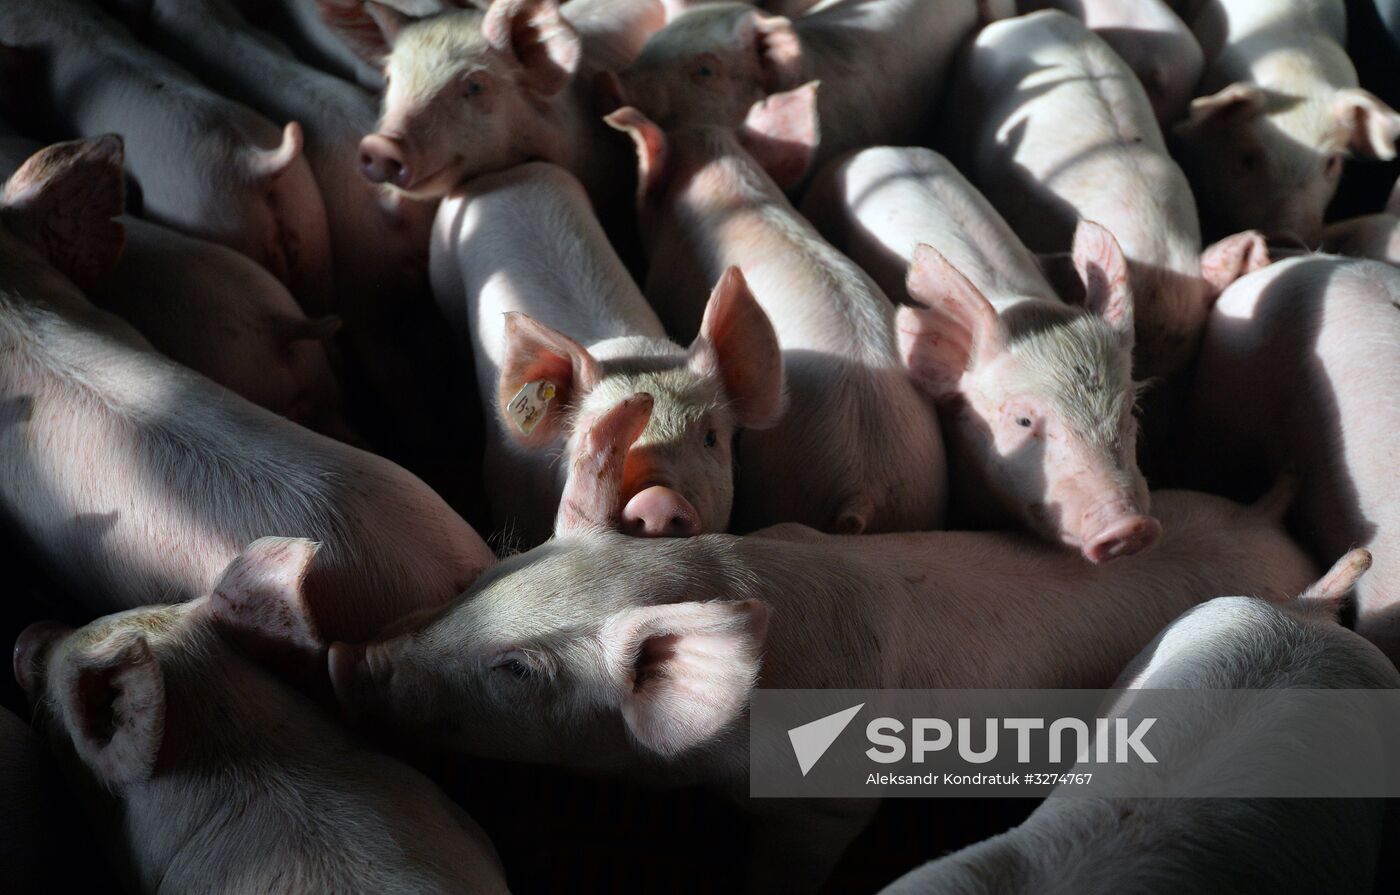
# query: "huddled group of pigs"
745,344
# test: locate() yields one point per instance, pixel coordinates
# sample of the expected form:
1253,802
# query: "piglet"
881,63
1055,129
473,91
1151,38
225,317
1280,111
204,774
1298,374
561,334
1160,846
588,652
135,479
1038,394
207,166
858,449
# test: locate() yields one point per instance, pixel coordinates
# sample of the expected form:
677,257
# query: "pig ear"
592,498
1233,257
536,355
684,671
1326,595
779,52
782,133
653,149
62,201
1371,125
737,341
540,41
943,340
1235,102
366,27
1099,260
115,703
261,596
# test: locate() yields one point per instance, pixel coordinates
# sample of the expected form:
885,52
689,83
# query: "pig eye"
473,89
516,665
711,438
1023,421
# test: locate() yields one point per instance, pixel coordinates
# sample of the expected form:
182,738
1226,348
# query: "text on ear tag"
530,404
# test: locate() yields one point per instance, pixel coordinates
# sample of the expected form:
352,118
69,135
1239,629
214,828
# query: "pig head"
1041,397
465,92
1259,158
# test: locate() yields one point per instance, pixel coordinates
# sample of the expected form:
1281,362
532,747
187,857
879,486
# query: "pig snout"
659,512
382,160
31,648
1118,528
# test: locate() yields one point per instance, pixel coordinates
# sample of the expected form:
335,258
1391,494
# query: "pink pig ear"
684,671
535,355
114,700
653,149
262,597
775,42
737,340
956,330
367,27
1325,596
1371,124
62,201
538,39
1104,270
1231,258
592,498
1236,102
782,133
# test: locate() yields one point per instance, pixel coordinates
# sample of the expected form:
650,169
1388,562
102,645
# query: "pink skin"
264,202
607,678
470,92
1278,113
1298,375
137,704
596,493
1018,426
859,449
1021,81
245,332
881,64
1151,38
376,238
110,514
526,275
1056,451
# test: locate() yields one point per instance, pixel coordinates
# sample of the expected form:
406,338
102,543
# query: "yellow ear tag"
530,404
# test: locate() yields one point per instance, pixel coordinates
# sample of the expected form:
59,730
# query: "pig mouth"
425,187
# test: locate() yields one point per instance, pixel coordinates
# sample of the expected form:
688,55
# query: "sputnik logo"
811,740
